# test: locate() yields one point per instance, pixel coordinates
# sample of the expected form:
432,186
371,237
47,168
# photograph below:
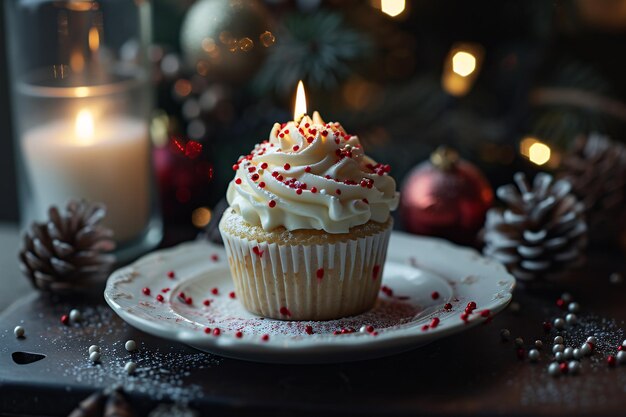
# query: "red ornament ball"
446,197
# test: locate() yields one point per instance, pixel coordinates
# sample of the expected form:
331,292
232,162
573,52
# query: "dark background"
530,47
8,196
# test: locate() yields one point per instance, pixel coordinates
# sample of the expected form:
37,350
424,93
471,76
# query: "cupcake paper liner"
307,282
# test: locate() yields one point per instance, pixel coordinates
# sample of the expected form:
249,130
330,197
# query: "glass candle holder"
81,102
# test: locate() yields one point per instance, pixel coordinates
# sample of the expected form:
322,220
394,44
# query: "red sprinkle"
171,274
434,295
265,337
258,252
375,271
215,291
338,191
217,331
272,203
238,181
547,326
448,306
320,273
215,258
465,317
299,191
232,294
146,291
370,329
308,329
65,319
165,290
285,311
295,148
239,335
188,301
207,330
313,190
307,169
207,302
264,165
159,298
262,184
235,167
255,177
434,322
286,167
485,313
563,367
521,354
425,327
560,303
611,360
471,306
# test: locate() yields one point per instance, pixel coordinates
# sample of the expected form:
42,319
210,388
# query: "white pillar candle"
106,161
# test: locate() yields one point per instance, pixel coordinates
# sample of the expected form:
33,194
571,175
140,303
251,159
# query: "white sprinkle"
553,369
94,357
621,357
130,345
558,340
94,348
573,307
592,340
624,343
19,331
75,316
363,329
130,367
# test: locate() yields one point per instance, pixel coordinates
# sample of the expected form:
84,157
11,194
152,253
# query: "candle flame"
84,127
300,106
463,63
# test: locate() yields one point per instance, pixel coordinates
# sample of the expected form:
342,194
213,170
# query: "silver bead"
538,344
533,355
624,343
567,297
585,349
577,353
621,357
505,334
559,357
94,348
130,367
559,323
19,331
568,353
558,340
573,307
558,348
94,357
519,342
592,340
130,345
75,316
616,278
553,369
573,367
571,319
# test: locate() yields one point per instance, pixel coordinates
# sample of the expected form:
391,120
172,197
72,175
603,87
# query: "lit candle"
105,160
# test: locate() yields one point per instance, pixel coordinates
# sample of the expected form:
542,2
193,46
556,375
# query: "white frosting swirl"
311,175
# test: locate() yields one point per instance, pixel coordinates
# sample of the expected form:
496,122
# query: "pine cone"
596,167
66,253
542,231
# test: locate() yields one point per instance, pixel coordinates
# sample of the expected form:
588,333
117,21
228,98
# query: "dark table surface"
470,373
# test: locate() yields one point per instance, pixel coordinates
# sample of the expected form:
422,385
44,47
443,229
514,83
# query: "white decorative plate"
420,277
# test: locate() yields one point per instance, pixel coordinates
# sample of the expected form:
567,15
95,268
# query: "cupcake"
308,225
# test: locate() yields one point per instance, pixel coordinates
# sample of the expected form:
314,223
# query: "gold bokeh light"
463,63
536,151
